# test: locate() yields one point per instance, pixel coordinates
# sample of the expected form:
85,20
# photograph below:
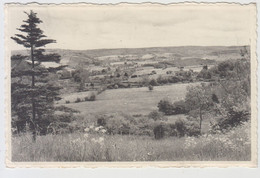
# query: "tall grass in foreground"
233,146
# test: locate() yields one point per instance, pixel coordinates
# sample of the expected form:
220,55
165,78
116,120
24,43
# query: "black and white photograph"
131,84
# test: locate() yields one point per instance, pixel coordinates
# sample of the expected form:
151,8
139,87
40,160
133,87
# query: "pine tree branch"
44,42
18,57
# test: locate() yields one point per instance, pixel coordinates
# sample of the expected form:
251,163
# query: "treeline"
224,101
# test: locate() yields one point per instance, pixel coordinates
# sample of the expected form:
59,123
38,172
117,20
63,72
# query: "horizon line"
138,47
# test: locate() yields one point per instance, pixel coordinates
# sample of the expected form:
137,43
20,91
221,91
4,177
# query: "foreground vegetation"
98,146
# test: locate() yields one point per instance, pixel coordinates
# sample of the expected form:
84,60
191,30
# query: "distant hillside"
185,51
216,53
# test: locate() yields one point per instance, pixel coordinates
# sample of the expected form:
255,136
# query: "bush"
162,80
125,125
153,82
116,86
92,97
179,107
181,128
174,79
67,101
101,89
78,100
155,115
234,119
64,123
166,107
101,121
117,125
150,87
159,131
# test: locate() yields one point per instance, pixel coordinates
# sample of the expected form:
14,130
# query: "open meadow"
127,100
234,146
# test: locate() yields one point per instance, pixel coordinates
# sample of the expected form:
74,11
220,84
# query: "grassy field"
129,100
233,146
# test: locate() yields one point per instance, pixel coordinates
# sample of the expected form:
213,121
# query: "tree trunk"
33,100
200,121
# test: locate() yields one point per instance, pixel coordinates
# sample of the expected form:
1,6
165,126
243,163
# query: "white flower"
86,135
76,140
94,140
101,139
91,127
103,131
86,129
97,129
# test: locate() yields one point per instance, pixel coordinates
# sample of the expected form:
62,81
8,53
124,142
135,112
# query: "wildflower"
94,140
91,127
86,129
86,135
101,139
76,140
103,131
97,129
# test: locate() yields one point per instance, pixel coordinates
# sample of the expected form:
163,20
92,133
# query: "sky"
135,26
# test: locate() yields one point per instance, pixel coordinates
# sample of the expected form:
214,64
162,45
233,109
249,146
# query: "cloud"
111,27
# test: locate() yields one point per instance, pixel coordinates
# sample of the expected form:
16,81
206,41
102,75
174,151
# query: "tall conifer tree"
32,94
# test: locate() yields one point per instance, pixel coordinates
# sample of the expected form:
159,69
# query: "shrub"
181,128
86,98
150,87
192,129
101,89
101,121
67,101
166,107
155,115
118,124
141,126
116,86
153,82
162,80
159,131
174,79
234,119
64,123
92,97
78,100
179,107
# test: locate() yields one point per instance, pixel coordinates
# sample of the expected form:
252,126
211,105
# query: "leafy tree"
166,107
199,102
33,95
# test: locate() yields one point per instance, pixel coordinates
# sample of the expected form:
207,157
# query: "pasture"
128,100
